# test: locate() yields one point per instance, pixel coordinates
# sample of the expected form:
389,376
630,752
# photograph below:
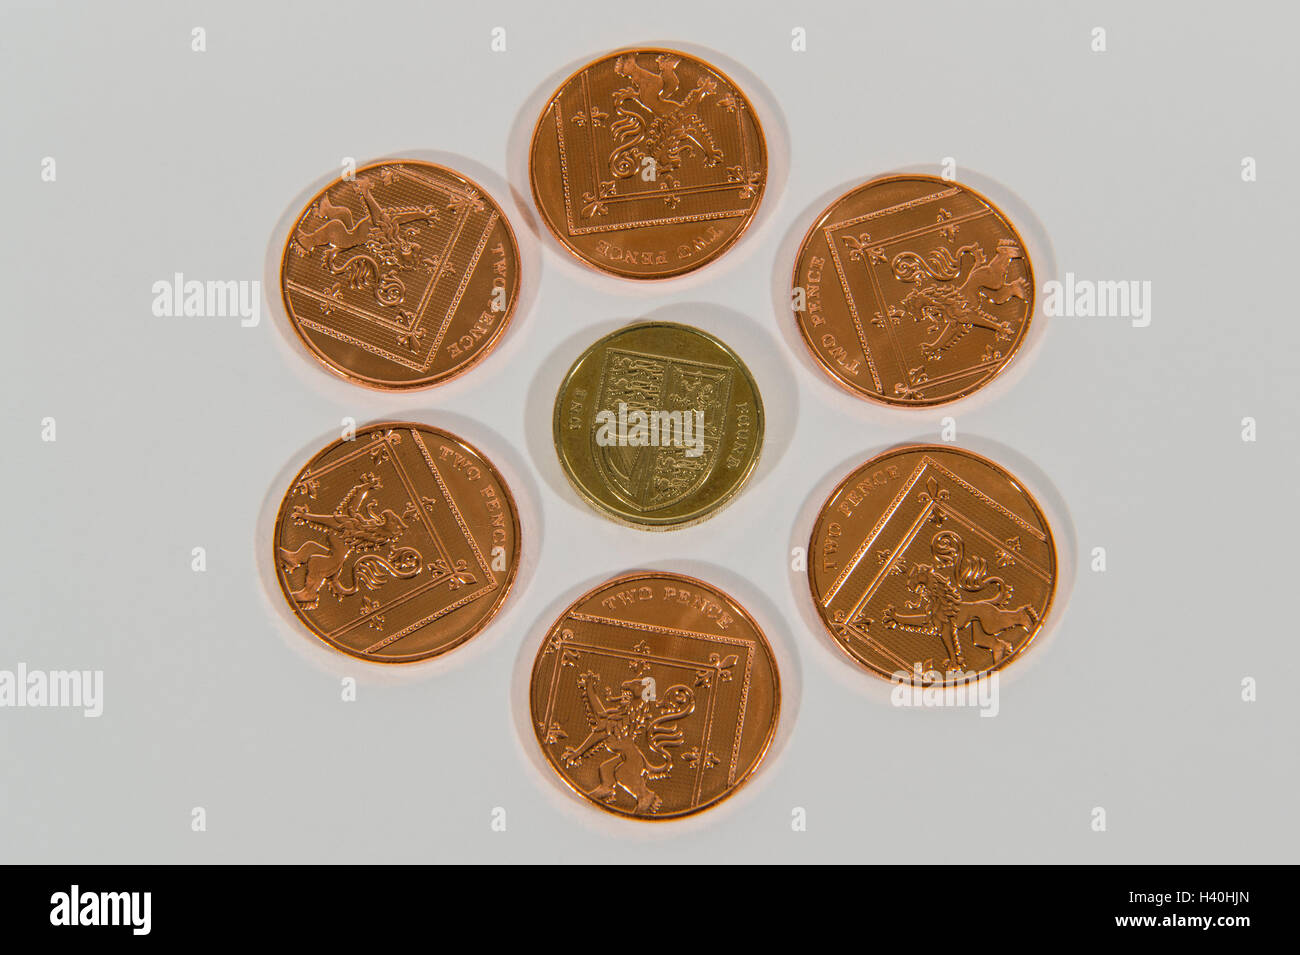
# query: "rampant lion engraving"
360,538
953,309
367,252
636,733
947,605
651,123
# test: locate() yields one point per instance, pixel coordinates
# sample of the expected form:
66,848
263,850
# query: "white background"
174,433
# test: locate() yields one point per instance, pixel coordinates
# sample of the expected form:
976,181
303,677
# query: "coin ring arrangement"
648,163
932,564
658,368
654,695
397,545
403,275
913,290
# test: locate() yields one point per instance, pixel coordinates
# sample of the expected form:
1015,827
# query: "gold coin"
916,290
648,163
658,425
654,695
398,544
934,561
403,276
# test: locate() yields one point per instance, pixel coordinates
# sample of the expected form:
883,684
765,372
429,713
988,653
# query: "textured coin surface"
648,163
397,545
932,560
914,290
658,425
654,695
404,276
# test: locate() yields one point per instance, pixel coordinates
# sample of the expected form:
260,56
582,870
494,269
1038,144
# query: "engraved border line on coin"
575,230
455,510
875,531
344,336
458,188
902,546
447,192
694,666
881,302
750,646
467,272
926,461
443,552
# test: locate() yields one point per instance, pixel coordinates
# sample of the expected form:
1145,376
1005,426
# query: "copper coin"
932,560
654,695
398,544
914,290
402,276
648,163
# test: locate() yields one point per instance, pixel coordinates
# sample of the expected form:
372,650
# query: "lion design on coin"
652,123
955,309
635,733
355,534
369,251
948,606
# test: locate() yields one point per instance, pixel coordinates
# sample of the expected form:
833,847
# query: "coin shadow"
856,678
1041,253
314,651
776,133
556,793
310,373
750,340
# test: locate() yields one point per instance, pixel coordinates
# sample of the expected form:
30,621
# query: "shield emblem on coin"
649,477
